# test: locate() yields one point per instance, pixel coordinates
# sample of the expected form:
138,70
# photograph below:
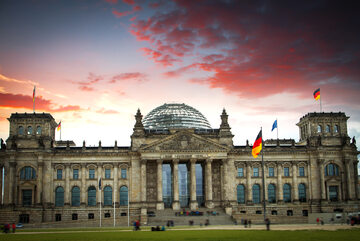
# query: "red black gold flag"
317,94
257,145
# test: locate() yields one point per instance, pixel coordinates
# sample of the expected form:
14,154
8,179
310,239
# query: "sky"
94,63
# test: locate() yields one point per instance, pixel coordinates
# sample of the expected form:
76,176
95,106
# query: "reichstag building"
176,161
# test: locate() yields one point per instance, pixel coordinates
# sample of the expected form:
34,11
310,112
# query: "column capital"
143,161
159,161
209,160
175,161
193,160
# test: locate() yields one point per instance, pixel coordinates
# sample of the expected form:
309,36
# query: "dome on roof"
175,116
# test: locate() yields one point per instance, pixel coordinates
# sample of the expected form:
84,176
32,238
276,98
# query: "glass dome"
175,116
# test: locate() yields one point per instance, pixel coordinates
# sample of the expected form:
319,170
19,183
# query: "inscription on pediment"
185,143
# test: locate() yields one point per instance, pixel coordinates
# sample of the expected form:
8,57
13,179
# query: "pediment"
185,141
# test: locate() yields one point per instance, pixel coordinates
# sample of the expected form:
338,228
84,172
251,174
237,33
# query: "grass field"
243,235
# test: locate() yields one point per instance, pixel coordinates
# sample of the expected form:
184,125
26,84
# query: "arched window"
256,193
327,128
319,129
302,192
29,130
92,196
123,196
240,194
75,196
59,197
336,129
271,193
27,173
38,130
332,170
107,196
21,130
287,193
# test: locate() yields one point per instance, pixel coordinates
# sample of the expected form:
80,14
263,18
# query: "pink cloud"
126,13
105,111
128,76
112,1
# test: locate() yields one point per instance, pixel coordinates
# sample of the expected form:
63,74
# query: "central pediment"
185,141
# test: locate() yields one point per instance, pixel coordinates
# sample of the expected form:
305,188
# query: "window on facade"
91,173
327,128
27,173
59,174
240,194
273,212
59,197
21,130
255,171
24,218
76,174
58,217
74,216
271,172
319,129
38,130
107,173
271,193
107,215
302,192
92,196
287,193
332,170
258,212
256,193
26,197
305,213
289,212
91,216
336,128
29,130
107,196
123,173
286,172
240,172
75,196
123,196
123,214
333,193
301,171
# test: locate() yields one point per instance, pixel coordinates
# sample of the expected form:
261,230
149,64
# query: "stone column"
193,202
279,184
208,184
83,190
322,181
350,179
10,183
115,185
39,184
15,193
248,183
1,185
67,185
176,203
143,181
160,202
295,194
47,187
99,175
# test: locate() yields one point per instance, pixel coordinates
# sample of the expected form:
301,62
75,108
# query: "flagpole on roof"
263,175
277,130
320,104
34,99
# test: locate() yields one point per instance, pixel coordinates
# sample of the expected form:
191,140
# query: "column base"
193,205
160,206
209,204
228,210
176,205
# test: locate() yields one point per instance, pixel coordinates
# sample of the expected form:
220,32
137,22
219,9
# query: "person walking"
267,222
13,227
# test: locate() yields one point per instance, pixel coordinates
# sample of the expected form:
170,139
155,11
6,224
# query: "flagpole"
60,131
34,100
320,104
100,200
277,129
263,174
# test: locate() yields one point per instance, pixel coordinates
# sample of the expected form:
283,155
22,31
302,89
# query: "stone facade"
43,176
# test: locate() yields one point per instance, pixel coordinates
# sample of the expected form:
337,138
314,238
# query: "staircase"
162,216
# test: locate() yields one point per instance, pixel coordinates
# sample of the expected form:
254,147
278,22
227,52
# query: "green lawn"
253,235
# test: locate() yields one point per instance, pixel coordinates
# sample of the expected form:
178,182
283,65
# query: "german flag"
59,126
317,94
34,94
257,145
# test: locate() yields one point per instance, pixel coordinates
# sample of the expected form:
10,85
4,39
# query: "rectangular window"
91,216
59,174
24,218
255,171
286,172
91,173
271,171
26,197
301,171
123,173
57,217
107,173
333,193
240,172
76,174
74,216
